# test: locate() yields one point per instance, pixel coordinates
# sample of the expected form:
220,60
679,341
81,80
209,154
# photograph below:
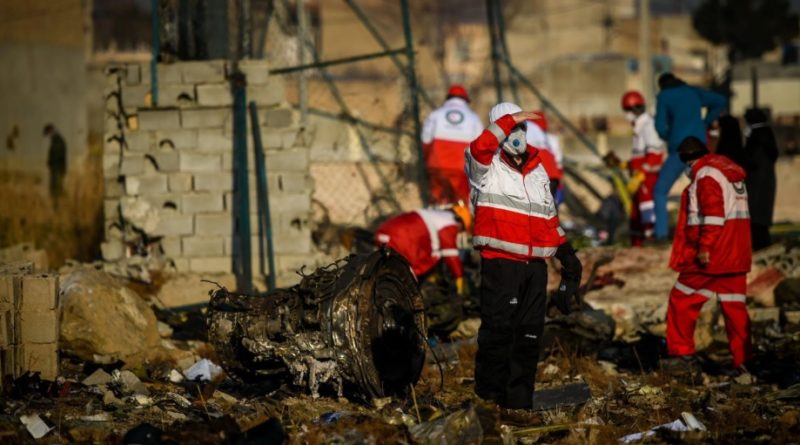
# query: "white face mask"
630,116
515,144
714,132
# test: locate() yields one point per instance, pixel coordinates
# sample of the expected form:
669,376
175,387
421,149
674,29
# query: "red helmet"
457,90
540,120
632,99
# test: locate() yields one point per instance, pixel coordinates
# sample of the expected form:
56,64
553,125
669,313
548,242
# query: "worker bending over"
516,229
424,237
711,250
447,131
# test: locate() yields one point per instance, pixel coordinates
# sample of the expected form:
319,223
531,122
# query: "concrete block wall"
29,323
169,169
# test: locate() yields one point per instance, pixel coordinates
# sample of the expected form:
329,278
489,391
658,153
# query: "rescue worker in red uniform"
711,250
549,147
426,236
645,163
516,230
446,132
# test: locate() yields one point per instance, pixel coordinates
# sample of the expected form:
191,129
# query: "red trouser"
448,186
643,216
689,295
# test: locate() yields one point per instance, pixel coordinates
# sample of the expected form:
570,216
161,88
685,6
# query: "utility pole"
645,58
302,90
492,25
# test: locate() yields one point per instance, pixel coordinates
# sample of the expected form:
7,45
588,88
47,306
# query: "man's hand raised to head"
523,116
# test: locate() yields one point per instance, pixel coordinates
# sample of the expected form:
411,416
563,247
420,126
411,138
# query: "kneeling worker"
516,229
711,251
426,236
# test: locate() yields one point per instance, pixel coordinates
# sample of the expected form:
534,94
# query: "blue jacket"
679,113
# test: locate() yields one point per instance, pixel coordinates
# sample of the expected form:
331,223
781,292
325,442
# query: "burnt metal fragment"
358,322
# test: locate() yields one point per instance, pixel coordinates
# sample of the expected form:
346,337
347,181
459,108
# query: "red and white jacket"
549,150
447,131
423,237
515,215
713,218
648,148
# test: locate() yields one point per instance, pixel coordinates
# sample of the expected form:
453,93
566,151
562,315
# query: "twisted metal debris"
358,323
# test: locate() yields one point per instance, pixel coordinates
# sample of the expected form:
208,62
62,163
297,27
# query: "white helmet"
502,109
514,143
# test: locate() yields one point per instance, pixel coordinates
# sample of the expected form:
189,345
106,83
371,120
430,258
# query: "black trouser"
513,301
760,236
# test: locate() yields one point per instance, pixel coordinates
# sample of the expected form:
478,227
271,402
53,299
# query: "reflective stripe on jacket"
423,237
515,215
714,218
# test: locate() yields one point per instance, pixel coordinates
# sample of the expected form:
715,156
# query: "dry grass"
73,231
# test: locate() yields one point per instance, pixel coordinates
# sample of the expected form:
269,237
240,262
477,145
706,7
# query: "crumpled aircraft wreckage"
358,323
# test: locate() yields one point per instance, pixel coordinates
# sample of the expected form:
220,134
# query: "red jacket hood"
733,172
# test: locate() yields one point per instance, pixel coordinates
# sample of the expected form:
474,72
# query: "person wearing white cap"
516,228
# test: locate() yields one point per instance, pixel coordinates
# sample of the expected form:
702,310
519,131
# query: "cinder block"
289,182
132,165
110,165
38,293
114,188
202,202
133,74
292,242
136,96
291,160
269,94
227,161
174,223
278,118
176,95
167,73
159,119
42,358
167,160
213,182
200,162
180,264
177,139
38,326
206,118
290,203
220,264
179,182
214,224
145,185
112,250
171,246
214,95
214,140
203,246
166,201
274,138
257,72
207,71
110,208
9,289
138,141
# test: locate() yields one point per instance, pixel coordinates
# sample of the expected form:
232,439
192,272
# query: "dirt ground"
630,392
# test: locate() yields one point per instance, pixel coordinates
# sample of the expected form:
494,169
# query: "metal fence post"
501,32
302,90
155,51
262,195
242,258
490,12
412,86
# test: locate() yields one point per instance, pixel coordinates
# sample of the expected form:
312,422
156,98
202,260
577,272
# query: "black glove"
567,297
